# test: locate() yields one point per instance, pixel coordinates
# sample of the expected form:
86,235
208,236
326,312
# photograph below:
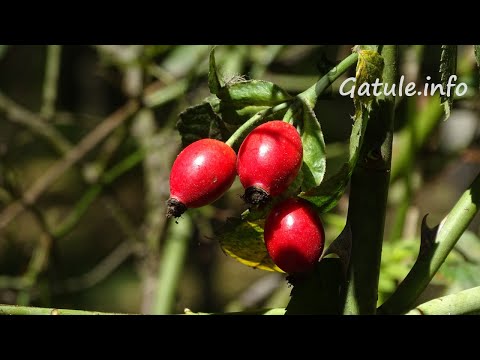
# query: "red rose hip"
269,160
294,236
200,174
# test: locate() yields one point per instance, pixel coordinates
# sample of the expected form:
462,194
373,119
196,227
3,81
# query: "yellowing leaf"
243,241
369,68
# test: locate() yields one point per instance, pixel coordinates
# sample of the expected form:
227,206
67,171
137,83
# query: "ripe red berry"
200,174
269,160
294,236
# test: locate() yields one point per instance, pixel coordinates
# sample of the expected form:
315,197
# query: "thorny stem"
462,303
368,199
426,266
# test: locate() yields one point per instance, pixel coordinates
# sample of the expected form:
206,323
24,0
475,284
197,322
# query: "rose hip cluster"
268,161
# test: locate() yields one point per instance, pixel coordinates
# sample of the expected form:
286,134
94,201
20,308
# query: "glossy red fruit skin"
294,236
202,172
270,157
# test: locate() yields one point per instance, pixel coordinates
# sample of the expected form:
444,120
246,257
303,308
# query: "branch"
39,258
52,69
28,310
101,271
112,261
159,155
20,115
70,159
277,311
37,263
94,191
426,266
321,85
465,302
368,198
171,264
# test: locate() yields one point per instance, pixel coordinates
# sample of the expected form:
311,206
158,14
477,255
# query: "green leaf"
314,157
448,67
199,122
241,93
243,241
326,195
213,78
318,292
231,115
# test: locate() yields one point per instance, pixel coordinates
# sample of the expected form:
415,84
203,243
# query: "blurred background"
87,139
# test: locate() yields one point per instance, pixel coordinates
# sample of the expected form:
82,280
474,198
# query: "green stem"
368,198
402,208
465,302
317,89
450,230
173,258
52,69
310,95
259,118
37,263
29,310
428,117
277,311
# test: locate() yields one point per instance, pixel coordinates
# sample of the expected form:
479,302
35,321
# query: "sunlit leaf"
243,241
243,93
369,68
314,157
